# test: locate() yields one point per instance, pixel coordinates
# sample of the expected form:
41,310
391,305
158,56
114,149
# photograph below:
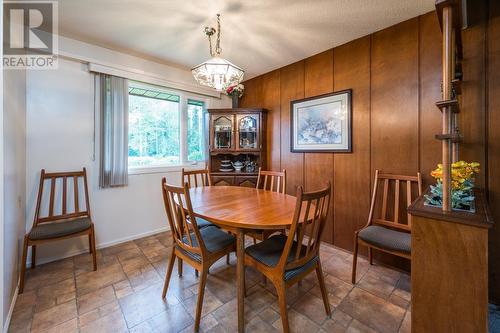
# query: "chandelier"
217,72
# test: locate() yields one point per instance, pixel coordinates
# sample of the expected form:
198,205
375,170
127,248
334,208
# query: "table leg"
240,273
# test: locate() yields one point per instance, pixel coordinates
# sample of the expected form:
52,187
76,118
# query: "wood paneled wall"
395,76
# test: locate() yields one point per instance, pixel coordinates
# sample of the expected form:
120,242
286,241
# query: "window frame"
184,97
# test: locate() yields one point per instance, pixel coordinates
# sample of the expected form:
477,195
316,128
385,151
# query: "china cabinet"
237,137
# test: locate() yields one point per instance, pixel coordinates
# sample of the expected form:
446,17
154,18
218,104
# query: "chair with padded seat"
286,260
199,247
66,216
390,231
274,181
198,178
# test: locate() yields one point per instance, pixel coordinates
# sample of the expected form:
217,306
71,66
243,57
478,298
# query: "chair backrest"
395,189
178,207
64,197
311,211
271,178
195,177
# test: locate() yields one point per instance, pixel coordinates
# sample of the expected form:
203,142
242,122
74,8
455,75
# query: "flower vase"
235,100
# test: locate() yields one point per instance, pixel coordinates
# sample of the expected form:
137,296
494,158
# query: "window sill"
164,169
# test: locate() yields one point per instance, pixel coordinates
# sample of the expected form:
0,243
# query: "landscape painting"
322,123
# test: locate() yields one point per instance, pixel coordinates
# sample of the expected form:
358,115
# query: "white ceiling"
257,35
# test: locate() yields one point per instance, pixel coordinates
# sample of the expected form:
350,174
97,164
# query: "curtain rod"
139,75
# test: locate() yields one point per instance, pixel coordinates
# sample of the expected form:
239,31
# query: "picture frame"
322,123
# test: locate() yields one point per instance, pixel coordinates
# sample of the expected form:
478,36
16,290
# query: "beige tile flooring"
124,295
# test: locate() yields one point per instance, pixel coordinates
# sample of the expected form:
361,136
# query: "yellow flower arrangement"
462,185
461,173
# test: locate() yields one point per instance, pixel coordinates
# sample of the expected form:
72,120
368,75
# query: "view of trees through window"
195,130
154,132
156,119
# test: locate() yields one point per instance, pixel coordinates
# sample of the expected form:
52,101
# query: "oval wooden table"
239,209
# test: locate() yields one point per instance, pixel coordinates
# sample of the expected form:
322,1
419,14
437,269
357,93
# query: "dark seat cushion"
202,223
386,238
214,239
59,229
269,253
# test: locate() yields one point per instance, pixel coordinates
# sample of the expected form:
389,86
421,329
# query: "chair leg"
179,266
23,265
370,255
170,268
196,273
354,259
254,241
199,303
90,243
94,252
245,286
264,279
33,256
228,258
280,289
324,293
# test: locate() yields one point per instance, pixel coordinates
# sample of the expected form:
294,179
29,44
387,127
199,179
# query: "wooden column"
447,129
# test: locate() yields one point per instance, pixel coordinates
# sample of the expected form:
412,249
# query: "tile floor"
124,295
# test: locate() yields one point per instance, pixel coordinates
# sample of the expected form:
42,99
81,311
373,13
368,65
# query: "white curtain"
111,95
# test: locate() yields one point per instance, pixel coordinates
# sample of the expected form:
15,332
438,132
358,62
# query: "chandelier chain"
210,43
218,49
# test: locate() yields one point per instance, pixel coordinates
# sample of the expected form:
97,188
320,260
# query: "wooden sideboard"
449,268
237,135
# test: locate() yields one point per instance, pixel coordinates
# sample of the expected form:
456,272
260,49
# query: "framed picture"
322,123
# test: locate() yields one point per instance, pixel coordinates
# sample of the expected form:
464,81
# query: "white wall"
14,179
60,130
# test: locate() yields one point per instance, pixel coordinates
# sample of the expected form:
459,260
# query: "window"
165,128
195,146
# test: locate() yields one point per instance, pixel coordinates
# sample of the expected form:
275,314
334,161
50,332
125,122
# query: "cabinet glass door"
223,131
247,130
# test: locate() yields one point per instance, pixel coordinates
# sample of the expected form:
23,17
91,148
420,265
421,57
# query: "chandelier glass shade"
217,72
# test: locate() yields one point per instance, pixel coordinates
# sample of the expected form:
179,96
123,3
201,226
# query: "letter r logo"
28,27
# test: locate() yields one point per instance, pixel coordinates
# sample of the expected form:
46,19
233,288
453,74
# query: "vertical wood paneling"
252,96
494,147
352,171
430,92
395,76
318,79
394,99
472,115
292,88
271,101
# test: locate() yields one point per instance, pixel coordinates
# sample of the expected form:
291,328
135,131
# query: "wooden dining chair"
273,181
198,178
200,248
387,231
66,217
286,260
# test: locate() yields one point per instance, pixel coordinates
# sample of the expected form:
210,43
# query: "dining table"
239,210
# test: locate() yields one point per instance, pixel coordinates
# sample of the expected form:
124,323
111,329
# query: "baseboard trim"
11,309
98,246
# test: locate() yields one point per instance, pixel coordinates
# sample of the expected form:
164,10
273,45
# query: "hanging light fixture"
217,72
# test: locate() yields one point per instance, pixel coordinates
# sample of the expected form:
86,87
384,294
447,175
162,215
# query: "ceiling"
257,35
